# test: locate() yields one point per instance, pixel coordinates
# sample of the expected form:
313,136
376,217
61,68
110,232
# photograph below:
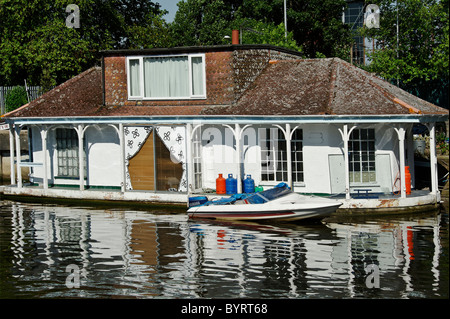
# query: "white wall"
320,143
102,151
322,157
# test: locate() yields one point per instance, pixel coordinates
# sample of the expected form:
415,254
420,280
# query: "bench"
363,193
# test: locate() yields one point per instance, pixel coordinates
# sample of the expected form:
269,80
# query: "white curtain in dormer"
166,77
135,88
197,75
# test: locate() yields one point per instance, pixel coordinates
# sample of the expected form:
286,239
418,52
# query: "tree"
258,32
154,34
15,98
421,51
37,45
201,22
208,22
418,60
316,24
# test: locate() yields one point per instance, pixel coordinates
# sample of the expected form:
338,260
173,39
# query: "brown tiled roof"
323,86
293,87
79,96
124,110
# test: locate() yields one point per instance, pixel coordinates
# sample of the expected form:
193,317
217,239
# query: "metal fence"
33,93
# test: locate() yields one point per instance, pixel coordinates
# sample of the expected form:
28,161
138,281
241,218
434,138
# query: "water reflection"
132,254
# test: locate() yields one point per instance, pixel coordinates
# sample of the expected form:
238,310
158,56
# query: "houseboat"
160,125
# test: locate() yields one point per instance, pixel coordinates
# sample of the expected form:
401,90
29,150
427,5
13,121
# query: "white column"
289,155
345,134
194,149
18,156
11,154
237,134
433,160
44,133
401,142
189,168
80,131
122,158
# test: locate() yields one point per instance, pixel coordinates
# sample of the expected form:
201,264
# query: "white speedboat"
278,203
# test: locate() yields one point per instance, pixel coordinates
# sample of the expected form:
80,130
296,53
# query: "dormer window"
166,77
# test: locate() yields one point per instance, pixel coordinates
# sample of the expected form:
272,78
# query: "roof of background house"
286,87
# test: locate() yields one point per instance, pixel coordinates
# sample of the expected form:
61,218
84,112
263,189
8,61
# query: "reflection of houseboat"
141,254
158,125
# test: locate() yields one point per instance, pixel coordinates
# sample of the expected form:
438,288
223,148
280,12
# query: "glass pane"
279,176
363,134
364,157
166,77
371,134
67,152
134,75
197,76
178,70
364,146
365,178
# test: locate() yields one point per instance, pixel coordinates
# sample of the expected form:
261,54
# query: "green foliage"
36,44
315,26
201,22
258,32
422,50
153,34
442,143
15,98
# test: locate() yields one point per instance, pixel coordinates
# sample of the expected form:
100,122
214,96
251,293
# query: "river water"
54,251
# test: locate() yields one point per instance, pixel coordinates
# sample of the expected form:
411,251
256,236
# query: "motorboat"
278,203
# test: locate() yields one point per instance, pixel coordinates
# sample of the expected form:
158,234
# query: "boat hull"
260,212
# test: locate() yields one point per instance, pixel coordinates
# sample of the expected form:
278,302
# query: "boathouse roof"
290,87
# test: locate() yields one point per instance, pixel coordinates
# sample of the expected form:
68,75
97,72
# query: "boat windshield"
268,195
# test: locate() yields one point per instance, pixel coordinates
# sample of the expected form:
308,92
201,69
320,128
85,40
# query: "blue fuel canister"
249,185
231,184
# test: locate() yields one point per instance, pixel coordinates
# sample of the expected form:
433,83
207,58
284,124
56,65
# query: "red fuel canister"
407,180
221,185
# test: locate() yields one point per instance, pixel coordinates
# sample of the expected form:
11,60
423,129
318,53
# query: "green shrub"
15,98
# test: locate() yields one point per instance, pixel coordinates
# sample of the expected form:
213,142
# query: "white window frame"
63,158
357,175
141,77
275,162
